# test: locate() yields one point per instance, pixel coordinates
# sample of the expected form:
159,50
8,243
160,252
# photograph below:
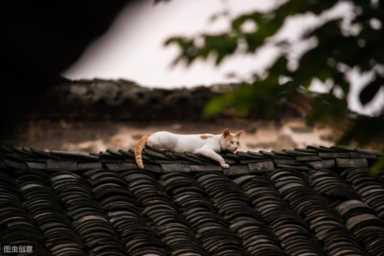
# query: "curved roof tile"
313,201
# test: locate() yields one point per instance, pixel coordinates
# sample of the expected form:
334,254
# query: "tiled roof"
100,99
313,201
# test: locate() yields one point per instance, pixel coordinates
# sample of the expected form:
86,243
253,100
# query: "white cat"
207,145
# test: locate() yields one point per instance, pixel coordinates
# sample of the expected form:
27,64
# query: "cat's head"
230,140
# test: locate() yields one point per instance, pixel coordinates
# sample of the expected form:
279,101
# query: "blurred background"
89,76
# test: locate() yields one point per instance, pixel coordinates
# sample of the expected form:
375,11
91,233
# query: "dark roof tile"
313,201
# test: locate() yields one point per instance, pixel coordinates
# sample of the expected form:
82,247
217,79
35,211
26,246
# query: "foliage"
378,167
339,49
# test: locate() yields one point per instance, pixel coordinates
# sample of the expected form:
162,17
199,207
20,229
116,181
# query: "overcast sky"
132,48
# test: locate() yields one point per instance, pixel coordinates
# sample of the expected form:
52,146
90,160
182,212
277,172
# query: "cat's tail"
140,144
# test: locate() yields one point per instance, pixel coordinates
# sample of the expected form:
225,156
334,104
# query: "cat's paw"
238,151
224,165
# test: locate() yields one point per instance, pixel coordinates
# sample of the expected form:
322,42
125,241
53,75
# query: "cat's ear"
226,133
239,133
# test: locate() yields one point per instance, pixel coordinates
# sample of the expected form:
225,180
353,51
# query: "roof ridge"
166,161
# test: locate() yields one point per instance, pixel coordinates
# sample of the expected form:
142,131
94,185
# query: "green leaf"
377,168
371,90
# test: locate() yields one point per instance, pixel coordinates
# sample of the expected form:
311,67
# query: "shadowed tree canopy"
340,47
40,39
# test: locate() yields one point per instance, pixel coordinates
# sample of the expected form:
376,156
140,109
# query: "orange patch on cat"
204,136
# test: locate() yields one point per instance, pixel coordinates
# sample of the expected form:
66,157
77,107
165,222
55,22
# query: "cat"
207,145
